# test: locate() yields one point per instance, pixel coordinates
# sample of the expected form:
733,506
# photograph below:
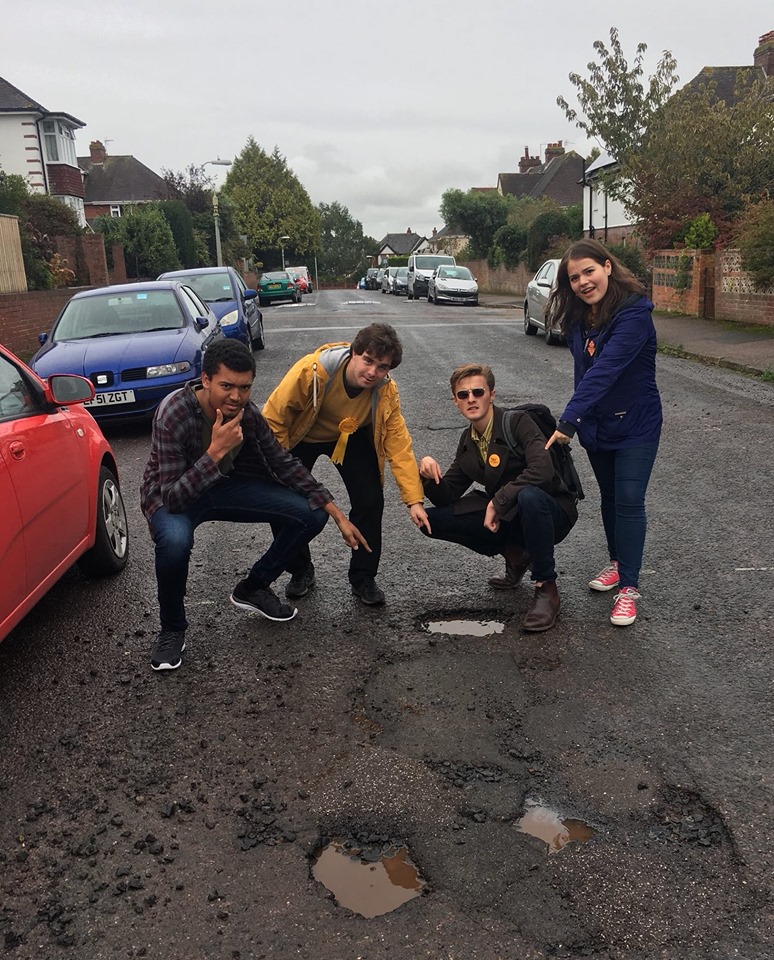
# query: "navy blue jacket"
616,401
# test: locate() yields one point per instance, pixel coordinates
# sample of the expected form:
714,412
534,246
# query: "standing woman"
616,408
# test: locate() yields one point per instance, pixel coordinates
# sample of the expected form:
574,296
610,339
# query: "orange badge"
591,349
494,460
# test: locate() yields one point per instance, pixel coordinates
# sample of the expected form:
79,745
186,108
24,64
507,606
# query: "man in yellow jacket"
341,402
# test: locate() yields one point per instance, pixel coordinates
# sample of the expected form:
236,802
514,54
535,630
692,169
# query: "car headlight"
167,369
230,319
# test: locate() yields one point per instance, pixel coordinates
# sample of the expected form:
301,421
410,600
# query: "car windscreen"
114,314
402,272
430,263
455,273
279,275
212,287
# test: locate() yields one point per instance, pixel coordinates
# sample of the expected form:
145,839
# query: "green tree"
270,202
178,216
478,214
149,246
13,193
343,245
755,236
551,233
509,245
615,107
704,156
192,186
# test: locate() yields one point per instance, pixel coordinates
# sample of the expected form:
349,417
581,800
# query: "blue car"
233,303
135,342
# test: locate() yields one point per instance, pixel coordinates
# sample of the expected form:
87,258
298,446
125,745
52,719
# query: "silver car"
388,279
538,291
453,284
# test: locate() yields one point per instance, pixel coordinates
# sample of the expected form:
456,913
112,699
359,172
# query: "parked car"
361,284
136,343
299,278
277,285
304,272
452,284
400,283
420,269
370,278
388,278
232,302
536,299
61,500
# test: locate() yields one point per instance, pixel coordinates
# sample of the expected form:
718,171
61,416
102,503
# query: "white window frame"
115,210
59,141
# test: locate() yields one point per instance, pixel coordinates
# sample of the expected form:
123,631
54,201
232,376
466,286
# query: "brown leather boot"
544,610
517,562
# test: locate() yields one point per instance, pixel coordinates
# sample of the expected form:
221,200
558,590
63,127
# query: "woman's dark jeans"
623,477
539,524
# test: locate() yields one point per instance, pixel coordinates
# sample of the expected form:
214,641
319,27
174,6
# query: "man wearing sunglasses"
522,511
341,402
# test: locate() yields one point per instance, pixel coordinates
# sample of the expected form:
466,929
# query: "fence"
12,275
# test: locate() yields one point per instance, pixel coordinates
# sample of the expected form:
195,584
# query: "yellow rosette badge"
494,460
346,426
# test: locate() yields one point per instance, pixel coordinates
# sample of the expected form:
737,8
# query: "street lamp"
215,213
283,241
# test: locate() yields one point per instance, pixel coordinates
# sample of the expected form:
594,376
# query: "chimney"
97,151
409,230
435,230
764,53
527,162
554,150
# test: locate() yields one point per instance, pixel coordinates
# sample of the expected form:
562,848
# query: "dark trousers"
539,525
360,473
623,477
237,500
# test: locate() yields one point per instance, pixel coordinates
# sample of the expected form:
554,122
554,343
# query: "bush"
148,243
548,226
510,243
701,233
180,223
631,257
756,242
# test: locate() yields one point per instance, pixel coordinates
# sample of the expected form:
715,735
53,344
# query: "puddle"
366,880
545,824
467,628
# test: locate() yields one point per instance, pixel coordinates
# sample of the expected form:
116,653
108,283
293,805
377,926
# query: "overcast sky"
382,111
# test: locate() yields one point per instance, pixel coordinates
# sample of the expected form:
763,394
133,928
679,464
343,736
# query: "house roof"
453,230
121,179
559,179
401,244
725,80
13,100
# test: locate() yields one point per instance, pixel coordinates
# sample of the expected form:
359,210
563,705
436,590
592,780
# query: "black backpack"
560,452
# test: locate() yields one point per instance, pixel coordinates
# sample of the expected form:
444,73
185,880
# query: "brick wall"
677,280
499,279
85,254
736,298
24,315
65,180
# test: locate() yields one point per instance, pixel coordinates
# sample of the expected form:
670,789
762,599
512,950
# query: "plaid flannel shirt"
179,470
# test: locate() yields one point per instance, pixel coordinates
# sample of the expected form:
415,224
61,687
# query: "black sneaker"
368,593
166,654
300,583
261,600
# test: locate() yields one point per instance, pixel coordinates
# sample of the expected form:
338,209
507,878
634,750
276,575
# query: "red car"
300,278
61,502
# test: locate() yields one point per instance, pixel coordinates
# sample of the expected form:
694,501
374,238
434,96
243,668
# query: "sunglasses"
477,392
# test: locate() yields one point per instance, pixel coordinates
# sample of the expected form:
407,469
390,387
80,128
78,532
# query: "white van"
420,269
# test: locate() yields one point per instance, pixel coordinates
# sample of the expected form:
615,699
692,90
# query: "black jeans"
539,525
360,473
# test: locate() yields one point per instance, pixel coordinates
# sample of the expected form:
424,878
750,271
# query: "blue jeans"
237,500
539,524
623,477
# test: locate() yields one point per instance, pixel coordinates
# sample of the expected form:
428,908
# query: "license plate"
113,397
275,286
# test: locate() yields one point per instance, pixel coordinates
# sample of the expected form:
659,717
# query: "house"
558,177
449,240
115,183
399,245
39,145
606,218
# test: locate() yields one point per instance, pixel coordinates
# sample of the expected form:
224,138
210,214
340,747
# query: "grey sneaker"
166,654
300,583
261,600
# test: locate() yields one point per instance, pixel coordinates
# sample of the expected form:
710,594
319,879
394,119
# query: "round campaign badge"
494,460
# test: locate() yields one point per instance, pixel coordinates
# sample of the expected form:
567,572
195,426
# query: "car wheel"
111,544
551,337
435,298
258,341
529,327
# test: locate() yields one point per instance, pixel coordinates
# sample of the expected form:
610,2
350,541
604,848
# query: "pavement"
748,348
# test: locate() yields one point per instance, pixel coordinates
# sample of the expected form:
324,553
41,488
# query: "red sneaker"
624,607
606,579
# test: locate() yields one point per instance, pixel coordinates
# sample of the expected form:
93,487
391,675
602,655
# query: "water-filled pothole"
465,628
546,824
365,879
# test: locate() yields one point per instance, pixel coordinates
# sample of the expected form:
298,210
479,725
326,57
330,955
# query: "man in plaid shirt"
214,457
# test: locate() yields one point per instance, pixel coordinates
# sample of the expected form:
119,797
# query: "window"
76,204
16,395
115,210
59,141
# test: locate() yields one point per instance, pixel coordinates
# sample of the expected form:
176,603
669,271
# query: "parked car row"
539,290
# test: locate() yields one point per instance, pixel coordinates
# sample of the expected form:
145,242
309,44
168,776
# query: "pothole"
546,824
465,628
367,879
